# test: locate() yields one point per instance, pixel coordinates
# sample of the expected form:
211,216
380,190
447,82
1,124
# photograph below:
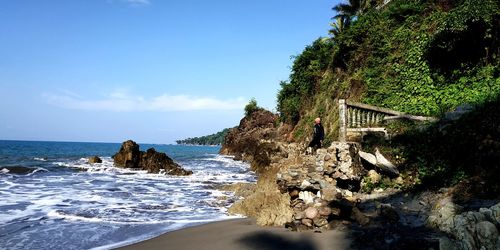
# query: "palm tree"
339,25
353,8
346,12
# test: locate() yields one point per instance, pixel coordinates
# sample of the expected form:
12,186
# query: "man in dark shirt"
318,134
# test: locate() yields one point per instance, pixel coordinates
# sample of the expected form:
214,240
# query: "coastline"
242,234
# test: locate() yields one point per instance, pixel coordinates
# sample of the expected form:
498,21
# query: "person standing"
318,134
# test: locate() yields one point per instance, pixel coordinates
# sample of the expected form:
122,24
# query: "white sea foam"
105,198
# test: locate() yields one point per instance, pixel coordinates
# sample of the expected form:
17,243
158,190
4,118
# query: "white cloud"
138,2
122,101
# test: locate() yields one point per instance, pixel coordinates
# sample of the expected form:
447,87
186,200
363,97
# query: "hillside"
429,184
419,57
213,139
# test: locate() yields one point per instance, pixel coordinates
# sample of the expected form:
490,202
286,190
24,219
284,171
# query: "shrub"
251,107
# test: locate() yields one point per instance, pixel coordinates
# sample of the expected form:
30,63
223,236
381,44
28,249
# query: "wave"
110,200
21,170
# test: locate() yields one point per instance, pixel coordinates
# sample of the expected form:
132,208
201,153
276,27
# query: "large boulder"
155,162
130,156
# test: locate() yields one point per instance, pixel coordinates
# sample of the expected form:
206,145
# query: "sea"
63,202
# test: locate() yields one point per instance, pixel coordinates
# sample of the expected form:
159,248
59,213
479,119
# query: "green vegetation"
251,107
415,56
423,57
445,153
213,139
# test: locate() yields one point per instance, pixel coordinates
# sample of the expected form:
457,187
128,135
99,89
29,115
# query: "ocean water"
66,203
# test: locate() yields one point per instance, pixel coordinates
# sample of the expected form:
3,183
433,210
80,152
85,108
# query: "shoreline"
242,234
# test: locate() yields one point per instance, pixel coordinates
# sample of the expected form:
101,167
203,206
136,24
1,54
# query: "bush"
251,107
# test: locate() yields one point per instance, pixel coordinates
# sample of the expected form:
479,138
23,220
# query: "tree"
348,11
340,24
251,107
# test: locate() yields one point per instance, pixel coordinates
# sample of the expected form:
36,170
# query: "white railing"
359,117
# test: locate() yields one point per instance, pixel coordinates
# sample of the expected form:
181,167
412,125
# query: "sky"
153,71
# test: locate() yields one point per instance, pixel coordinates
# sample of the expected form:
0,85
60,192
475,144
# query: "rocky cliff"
252,140
342,187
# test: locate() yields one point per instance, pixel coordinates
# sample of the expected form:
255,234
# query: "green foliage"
307,71
414,57
213,139
447,152
420,57
251,107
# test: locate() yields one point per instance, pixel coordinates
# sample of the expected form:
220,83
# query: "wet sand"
243,234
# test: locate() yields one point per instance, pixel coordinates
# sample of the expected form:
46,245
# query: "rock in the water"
155,162
130,156
17,170
94,159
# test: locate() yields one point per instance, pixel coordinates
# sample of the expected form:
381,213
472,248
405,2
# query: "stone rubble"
321,187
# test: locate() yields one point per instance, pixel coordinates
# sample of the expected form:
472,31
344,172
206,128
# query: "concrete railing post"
342,120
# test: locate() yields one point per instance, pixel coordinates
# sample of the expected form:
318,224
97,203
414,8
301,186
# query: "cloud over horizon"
122,102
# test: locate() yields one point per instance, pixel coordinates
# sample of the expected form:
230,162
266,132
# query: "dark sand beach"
243,234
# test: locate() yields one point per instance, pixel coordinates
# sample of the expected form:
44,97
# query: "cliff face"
418,57
244,140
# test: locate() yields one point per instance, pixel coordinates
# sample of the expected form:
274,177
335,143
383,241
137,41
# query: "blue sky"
148,70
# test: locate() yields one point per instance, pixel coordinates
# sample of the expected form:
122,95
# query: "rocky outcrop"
94,159
130,156
244,140
468,230
267,205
